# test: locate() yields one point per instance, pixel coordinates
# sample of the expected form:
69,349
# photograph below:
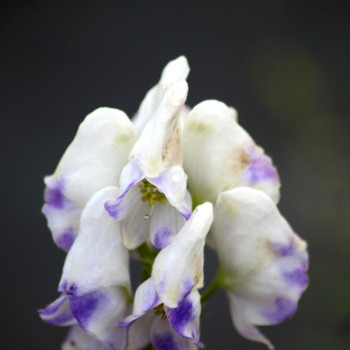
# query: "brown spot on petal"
171,146
240,160
198,268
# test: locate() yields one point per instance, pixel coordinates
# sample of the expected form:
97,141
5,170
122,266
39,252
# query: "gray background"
283,64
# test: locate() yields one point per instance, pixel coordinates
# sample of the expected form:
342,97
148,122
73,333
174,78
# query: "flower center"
159,310
150,193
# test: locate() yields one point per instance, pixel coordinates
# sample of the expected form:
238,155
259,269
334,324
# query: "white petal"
146,298
164,337
139,333
158,147
174,71
173,184
58,313
178,268
96,156
166,222
98,257
243,323
219,154
136,225
264,261
78,339
99,312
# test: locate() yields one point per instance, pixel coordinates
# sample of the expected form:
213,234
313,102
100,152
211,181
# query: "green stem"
146,252
147,256
217,283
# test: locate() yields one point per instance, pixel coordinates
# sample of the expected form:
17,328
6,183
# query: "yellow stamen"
151,193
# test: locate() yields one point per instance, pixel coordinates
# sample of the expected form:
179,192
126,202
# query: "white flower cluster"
157,188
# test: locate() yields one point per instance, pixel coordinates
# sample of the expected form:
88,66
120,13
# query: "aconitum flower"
93,160
126,187
154,182
177,274
99,154
263,262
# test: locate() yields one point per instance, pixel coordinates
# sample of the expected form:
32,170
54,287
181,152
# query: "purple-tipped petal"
261,169
220,155
185,317
58,313
62,214
66,239
84,307
98,258
120,207
178,268
146,298
261,174
283,309
265,263
99,312
53,194
297,277
92,161
166,222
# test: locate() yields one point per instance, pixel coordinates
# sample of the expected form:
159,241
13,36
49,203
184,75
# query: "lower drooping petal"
78,339
265,263
99,312
164,337
178,268
146,298
95,276
166,222
185,317
58,313
98,257
138,334
137,223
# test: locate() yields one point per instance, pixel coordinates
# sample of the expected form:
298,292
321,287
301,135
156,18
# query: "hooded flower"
153,184
93,160
172,289
95,282
263,262
99,154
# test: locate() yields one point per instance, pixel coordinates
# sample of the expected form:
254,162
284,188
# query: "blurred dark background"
283,64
